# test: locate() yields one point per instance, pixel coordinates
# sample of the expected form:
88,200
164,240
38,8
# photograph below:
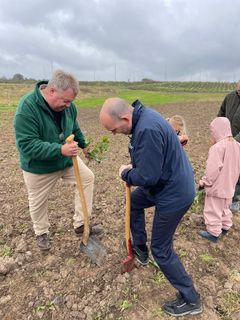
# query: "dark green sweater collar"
39,98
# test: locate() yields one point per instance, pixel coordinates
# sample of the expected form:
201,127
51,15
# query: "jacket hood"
138,107
220,128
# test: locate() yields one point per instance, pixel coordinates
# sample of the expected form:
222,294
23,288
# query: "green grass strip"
7,108
152,98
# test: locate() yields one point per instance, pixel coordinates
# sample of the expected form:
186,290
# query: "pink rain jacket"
223,163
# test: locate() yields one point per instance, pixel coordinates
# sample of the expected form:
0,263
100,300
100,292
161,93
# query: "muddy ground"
64,284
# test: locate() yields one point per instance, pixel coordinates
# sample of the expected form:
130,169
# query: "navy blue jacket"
160,164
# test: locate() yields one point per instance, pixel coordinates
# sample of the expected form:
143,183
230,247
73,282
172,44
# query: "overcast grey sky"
121,39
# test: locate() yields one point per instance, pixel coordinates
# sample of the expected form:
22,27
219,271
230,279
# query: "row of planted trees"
17,77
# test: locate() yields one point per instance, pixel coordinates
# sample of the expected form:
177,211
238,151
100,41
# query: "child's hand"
183,139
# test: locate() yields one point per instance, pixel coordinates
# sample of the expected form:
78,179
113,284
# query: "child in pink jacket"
220,178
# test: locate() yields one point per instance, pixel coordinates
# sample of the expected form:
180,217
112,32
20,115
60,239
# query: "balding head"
116,116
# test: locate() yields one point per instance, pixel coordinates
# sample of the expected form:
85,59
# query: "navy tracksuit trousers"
164,226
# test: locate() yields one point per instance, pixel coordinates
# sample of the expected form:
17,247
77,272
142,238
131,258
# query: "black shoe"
95,230
224,232
43,242
141,254
178,299
179,307
205,234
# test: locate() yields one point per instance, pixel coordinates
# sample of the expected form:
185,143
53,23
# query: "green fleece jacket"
39,137
230,109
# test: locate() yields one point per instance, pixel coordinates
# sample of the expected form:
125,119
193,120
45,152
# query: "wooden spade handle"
86,230
127,215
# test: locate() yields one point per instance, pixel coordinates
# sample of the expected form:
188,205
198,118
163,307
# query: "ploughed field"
64,284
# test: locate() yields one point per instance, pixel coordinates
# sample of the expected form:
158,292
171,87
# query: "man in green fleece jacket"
43,120
230,109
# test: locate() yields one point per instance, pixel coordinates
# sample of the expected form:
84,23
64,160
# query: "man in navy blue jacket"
164,176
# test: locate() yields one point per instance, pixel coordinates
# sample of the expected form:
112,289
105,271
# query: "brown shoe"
43,242
95,230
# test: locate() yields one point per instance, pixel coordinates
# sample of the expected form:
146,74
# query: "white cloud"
127,39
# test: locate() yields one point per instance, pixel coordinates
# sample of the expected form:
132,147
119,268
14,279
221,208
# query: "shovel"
129,262
91,246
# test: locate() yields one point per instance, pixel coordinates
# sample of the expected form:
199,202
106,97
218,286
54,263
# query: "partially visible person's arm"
29,141
222,110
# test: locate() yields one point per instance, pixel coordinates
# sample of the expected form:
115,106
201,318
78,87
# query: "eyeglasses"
177,132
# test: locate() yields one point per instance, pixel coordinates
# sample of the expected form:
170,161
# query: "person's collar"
41,87
38,90
138,107
40,98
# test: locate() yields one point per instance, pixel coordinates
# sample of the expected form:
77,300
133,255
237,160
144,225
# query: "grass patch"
126,291
93,94
229,303
198,203
46,307
182,253
23,227
207,258
70,261
7,107
6,251
151,98
159,278
40,273
235,275
126,304
158,312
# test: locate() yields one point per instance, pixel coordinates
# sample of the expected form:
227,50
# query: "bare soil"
64,284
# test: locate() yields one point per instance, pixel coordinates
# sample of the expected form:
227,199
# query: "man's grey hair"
62,80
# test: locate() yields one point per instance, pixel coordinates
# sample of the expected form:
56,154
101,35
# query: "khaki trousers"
40,186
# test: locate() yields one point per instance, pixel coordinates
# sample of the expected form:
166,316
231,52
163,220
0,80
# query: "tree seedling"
96,151
125,305
159,278
207,258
